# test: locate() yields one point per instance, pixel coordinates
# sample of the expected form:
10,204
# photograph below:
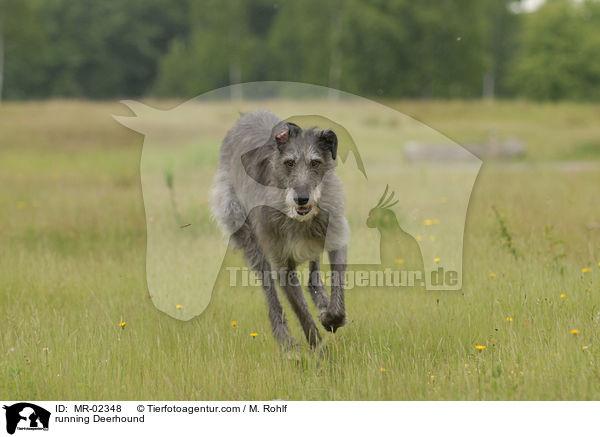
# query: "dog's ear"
327,140
283,131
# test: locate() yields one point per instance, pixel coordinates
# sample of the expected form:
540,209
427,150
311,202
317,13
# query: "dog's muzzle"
302,203
303,210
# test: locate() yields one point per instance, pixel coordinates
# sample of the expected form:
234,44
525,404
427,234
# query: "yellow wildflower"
428,222
574,331
585,270
233,323
583,348
437,260
383,370
492,275
563,295
178,307
399,260
509,319
419,238
254,334
122,324
480,347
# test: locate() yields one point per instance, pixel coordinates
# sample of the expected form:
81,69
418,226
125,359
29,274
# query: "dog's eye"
290,163
315,163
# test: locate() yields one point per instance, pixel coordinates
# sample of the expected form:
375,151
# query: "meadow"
78,323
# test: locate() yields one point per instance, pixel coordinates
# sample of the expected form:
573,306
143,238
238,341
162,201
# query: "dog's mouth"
303,210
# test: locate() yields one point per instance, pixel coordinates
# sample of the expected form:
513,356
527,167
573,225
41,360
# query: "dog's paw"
332,321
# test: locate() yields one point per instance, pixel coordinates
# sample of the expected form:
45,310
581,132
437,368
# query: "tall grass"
72,251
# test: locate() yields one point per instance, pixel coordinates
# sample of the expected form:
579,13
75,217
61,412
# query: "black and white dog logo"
26,416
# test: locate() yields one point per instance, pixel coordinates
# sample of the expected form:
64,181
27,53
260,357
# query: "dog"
276,195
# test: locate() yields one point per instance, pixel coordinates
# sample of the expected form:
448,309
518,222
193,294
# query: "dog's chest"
302,249
285,239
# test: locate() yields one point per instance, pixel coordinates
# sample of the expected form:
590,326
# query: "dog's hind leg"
291,286
244,239
316,287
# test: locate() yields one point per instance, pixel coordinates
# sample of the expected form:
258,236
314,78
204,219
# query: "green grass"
72,251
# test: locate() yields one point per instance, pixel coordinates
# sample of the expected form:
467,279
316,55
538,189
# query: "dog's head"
299,161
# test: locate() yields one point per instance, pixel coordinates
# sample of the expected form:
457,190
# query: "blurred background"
534,49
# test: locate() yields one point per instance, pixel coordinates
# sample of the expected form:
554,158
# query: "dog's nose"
301,198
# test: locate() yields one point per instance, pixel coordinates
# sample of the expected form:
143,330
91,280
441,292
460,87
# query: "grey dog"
278,198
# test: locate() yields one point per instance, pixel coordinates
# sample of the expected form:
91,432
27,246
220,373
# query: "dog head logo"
405,207
26,416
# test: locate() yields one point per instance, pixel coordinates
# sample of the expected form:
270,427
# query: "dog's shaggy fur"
277,196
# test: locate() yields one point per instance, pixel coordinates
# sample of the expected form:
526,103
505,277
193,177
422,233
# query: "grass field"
72,251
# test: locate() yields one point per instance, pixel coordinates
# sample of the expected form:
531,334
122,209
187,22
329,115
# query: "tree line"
385,48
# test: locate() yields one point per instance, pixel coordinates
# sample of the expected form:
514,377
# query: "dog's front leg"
316,287
245,239
276,313
335,316
293,290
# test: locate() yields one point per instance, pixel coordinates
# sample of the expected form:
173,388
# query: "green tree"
109,48
502,27
21,48
558,55
305,43
226,45
86,48
416,49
